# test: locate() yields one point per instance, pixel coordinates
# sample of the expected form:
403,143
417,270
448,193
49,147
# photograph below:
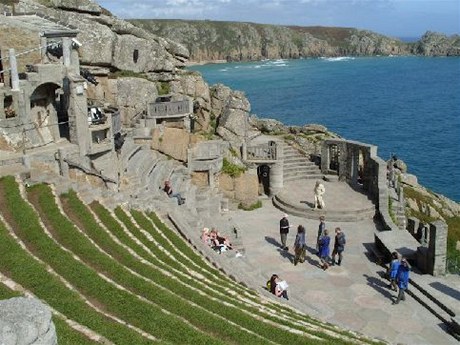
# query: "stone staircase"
398,209
297,167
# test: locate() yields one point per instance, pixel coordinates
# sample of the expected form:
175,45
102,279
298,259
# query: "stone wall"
244,188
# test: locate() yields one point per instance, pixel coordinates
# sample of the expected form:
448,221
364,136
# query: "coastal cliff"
236,41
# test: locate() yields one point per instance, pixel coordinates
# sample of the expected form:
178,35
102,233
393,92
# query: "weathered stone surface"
200,178
172,142
409,179
26,321
247,188
78,5
233,123
132,96
412,204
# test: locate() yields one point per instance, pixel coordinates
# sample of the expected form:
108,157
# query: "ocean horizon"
407,106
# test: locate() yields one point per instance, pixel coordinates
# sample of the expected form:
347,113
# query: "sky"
397,18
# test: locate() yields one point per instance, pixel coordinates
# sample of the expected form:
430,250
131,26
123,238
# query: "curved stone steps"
303,210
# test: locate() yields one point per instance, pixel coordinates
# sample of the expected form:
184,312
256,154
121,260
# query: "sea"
407,106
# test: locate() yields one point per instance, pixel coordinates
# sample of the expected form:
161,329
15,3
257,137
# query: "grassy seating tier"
20,266
151,290
115,301
80,215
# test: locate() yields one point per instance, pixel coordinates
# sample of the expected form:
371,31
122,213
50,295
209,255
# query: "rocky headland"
214,41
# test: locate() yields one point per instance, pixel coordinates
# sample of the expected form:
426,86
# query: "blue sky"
399,18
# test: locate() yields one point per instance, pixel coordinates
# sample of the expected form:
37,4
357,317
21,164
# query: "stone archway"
48,112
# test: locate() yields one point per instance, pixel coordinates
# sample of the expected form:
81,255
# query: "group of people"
323,241
215,240
398,273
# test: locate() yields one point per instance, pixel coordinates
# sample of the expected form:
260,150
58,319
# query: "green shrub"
231,169
127,74
254,206
163,88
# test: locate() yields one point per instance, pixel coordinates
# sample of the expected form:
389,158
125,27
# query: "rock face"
109,41
232,111
436,44
25,321
172,142
234,41
244,188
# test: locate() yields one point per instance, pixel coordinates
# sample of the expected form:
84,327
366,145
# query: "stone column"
66,51
14,70
276,177
438,248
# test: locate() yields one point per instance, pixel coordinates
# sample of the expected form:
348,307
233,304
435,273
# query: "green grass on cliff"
453,224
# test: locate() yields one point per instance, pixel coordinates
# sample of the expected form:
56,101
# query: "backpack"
269,285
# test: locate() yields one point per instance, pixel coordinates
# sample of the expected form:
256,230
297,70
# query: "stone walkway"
352,296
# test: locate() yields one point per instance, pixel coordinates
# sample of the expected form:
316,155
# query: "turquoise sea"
408,106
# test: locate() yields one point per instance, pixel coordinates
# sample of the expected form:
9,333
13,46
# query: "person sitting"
169,191
205,236
278,287
219,243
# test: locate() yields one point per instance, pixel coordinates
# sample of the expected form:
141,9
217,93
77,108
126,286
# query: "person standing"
324,243
284,230
339,246
299,245
321,228
403,280
393,271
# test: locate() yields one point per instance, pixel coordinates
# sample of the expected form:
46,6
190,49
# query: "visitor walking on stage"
299,245
403,280
284,230
339,246
393,271
323,254
321,228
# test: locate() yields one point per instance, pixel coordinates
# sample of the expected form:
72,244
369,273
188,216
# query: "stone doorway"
263,173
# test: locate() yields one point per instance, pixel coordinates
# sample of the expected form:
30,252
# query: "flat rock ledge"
26,321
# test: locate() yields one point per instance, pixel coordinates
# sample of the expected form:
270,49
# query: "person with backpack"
299,245
403,280
393,271
339,246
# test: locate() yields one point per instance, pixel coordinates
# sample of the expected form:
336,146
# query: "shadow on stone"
285,254
446,290
272,241
379,285
308,203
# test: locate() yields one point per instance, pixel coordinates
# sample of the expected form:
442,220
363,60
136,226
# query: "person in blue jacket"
403,280
323,253
393,271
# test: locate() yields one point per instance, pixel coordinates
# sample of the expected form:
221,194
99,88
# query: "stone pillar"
276,177
438,248
43,46
66,51
14,70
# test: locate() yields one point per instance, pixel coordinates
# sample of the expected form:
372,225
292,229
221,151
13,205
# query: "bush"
163,88
232,169
254,206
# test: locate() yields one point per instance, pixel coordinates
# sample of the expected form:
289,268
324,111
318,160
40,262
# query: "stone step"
308,176
331,215
293,159
433,305
300,167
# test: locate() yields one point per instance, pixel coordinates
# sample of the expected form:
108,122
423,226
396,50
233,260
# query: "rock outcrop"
436,44
26,321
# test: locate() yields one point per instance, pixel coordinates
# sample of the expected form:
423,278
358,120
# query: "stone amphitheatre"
97,114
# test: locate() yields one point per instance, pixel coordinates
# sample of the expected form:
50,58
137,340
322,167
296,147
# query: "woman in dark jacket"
299,245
